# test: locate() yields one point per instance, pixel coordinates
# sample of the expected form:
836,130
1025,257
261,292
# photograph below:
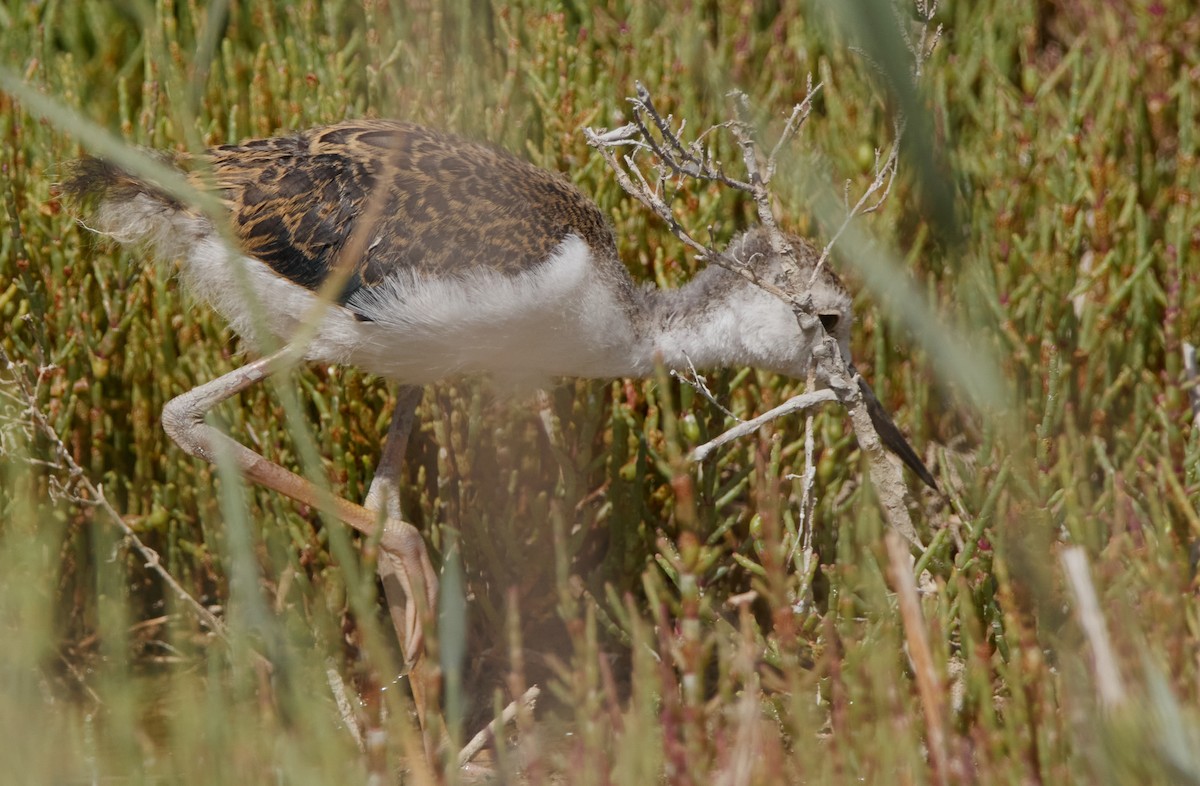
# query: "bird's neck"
695,325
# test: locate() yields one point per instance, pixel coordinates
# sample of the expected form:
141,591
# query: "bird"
419,256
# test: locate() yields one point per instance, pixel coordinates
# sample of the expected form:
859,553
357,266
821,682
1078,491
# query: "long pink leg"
404,562
403,582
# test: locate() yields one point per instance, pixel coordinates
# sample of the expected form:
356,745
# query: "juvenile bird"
448,258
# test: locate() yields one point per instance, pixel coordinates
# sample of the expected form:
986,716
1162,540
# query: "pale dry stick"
337,686
691,161
745,750
700,167
921,49
808,503
1192,377
759,184
889,485
152,560
794,404
747,740
800,113
526,702
929,686
885,177
604,142
887,478
697,382
80,679
1110,688
688,163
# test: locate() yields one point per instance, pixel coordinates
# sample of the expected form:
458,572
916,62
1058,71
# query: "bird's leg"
403,557
183,420
409,580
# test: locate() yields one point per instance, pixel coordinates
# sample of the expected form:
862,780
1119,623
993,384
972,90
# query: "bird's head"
775,330
786,346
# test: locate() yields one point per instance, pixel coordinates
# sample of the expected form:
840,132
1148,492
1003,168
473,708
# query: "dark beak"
891,437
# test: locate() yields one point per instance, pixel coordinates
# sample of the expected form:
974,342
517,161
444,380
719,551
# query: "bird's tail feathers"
129,210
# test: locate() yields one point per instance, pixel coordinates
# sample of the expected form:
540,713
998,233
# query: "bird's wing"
437,204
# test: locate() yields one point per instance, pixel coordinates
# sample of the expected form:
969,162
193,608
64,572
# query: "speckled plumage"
447,205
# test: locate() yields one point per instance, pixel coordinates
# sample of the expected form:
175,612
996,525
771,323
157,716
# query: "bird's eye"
829,321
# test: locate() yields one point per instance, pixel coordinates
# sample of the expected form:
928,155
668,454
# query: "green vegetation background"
1068,136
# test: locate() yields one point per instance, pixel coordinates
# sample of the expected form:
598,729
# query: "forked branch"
79,487
651,131
675,160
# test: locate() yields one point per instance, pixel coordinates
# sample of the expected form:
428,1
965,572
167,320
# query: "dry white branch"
695,380
337,686
800,113
803,542
922,48
929,684
1192,378
794,404
527,701
1110,688
879,189
94,494
689,160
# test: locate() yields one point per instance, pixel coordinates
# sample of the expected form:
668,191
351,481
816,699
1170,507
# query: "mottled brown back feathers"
447,205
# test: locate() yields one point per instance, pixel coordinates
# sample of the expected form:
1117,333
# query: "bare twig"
688,166
922,48
696,381
879,190
1192,378
760,176
648,197
889,484
485,735
794,404
808,502
651,131
745,749
800,113
1110,688
687,161
929,685
337,686
96,497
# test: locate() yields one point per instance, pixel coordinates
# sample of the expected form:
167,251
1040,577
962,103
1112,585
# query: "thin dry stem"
1110,688
96,497
696,381
525,703
929,685
808,503
794,404
337,686
879,190
688,161
922,48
